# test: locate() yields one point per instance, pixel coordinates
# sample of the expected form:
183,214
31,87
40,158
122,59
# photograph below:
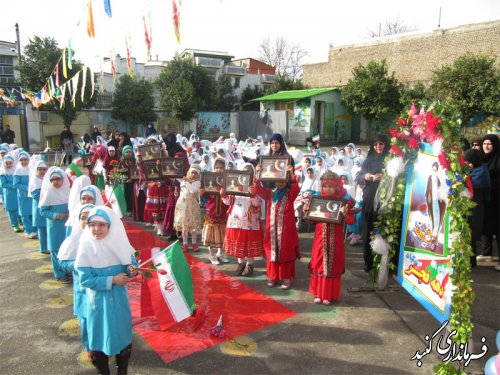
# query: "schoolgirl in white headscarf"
103,259
53,204
24,202
37,173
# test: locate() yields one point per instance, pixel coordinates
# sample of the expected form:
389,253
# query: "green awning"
292,95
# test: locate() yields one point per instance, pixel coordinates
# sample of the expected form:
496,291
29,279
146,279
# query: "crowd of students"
88,245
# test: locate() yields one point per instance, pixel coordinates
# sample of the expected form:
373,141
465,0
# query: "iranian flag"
115,196
171,287
315,139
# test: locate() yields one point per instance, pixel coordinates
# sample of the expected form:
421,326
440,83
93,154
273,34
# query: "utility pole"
24,122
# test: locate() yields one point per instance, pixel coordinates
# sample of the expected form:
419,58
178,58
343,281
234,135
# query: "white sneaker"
222,257
149,224
497,267
33,236
213,259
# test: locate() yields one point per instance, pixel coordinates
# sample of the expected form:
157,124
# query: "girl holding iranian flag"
104,262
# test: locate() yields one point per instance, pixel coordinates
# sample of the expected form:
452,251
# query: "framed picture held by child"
134,172
172,168
212,182
87,160
273,168
150,152
238,182
325,210
151,170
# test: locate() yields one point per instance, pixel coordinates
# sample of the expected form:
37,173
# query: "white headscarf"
8,171
69,247
114,249
36,181
74,212
20,170
49,195
74,194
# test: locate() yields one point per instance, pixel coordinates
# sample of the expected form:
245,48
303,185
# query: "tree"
37,65
284,83
133,101
372,92
224,98
287,58
416,93
394,27
249,94
471,85
185,88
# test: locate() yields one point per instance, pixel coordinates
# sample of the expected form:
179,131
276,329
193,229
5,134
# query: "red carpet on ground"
243,309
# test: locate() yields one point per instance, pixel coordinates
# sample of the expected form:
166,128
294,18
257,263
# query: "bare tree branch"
284,56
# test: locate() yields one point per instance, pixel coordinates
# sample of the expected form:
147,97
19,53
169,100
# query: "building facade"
413,57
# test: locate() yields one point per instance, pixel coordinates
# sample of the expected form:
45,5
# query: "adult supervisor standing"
369,177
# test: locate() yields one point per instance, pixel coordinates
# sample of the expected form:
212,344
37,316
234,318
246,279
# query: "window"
236,82
6,60
287,106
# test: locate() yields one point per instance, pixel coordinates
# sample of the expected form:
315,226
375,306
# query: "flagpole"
143,263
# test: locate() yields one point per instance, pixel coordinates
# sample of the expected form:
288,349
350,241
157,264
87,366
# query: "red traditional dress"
281,240
327,256
173,191
156,201
214,224
244,234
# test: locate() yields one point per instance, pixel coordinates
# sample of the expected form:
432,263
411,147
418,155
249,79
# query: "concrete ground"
366,332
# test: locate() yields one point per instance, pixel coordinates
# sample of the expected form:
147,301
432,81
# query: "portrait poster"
212,182
172,168
134,172
151,170
424,261
237,182
87,160
273,168
150,152
325,210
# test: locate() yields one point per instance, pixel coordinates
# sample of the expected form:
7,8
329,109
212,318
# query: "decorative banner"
176,18
424,260
90,21
147,36
107,8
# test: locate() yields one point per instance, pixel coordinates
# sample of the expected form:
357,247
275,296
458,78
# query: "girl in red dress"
214,224
327,256
281,240
244,233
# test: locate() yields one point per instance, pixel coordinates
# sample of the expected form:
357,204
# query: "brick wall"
411,57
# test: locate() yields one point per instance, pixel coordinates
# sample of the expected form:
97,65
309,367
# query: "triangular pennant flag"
65,69
107,8
92,83
57,74
51,87
70,55
84,82
90,20
74,84
63,95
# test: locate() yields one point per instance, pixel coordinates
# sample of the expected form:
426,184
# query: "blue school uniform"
56,233
24,203
109,319
79,300
39,221
10,198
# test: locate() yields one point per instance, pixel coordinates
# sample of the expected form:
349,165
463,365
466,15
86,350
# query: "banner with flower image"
425,264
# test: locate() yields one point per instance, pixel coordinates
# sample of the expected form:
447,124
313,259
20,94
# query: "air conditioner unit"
44,116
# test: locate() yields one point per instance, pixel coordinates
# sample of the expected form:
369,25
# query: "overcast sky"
233,26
